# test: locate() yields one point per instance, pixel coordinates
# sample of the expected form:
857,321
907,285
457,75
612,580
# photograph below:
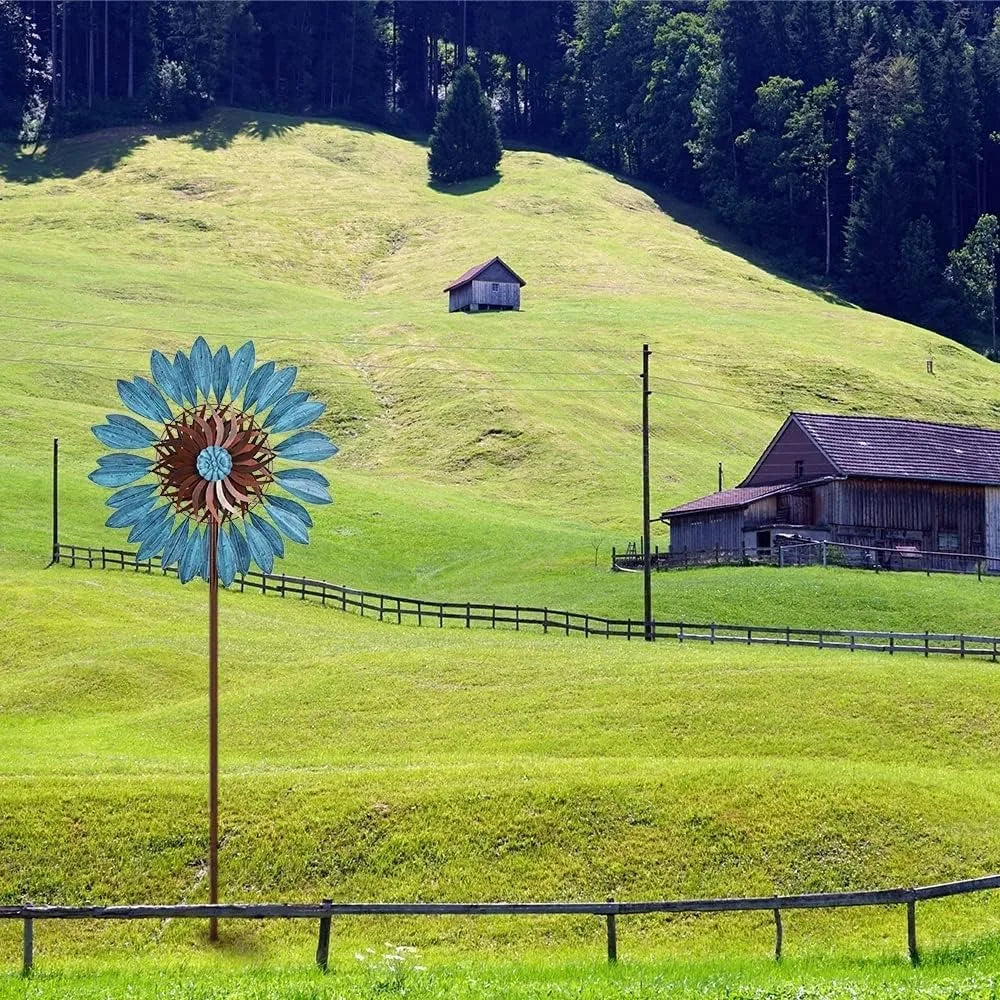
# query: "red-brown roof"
739,496
474,272
891,448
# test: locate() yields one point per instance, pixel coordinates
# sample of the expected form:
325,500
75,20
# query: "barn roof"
891,448
474,272
739,496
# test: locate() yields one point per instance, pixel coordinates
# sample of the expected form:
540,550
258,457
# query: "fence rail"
610,909
393,608
809,552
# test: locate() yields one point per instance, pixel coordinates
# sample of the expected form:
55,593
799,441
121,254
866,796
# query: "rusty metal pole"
213,724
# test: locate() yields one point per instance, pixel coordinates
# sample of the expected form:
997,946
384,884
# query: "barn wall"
507,294
496,272
459,298
778,463
992,522
706,531
880,511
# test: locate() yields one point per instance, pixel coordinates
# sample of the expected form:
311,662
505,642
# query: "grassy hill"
482,457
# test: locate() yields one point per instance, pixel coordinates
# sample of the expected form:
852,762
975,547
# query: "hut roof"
474,272
894,448
739,496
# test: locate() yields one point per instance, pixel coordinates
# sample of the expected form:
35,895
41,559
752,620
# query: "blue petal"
120,469
153,544
298,416
142,397
201,364
173,549
124,432
306,446
290,517
241,547
128,515
220,372
130,495
256,382
279,383
240,368
305,484
193,556
225,559
149,524
284,405
166,377
267,532
259,546
185,377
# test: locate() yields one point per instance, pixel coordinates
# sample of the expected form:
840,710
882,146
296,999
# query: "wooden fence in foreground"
610,910
392,608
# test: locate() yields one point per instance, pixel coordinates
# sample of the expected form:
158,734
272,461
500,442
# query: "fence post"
711,638
961,646
381,606
323,946
927,643
545,621
612,936
586,626
29,946
824,552
911,929
778,934
468,620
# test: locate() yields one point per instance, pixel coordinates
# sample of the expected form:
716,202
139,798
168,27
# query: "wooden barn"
492,285
903,486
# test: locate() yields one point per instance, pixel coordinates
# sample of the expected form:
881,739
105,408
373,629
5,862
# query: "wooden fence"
898,558
609,910
392,608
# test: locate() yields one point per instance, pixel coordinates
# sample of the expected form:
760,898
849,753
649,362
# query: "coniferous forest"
855,143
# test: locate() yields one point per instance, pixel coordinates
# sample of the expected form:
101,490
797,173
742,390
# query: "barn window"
948,541
496,286
800,468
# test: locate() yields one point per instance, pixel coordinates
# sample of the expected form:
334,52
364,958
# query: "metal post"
213,724
612,936
646,560
323,946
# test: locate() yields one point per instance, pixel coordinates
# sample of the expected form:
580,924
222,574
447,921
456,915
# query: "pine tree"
465,142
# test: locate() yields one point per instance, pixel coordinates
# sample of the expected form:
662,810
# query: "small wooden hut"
492,285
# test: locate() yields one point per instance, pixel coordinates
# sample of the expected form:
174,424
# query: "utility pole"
647,559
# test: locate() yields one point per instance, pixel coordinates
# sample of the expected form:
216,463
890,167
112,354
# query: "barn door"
993,528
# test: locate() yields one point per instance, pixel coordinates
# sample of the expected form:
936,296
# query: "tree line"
856,142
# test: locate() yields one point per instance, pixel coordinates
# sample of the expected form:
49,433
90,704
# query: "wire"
306,339
497,389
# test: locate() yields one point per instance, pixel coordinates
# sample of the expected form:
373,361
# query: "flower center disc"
214,463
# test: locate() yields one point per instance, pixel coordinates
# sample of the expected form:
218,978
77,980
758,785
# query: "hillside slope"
496,447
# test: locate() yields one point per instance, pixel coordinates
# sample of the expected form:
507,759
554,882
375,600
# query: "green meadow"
491,457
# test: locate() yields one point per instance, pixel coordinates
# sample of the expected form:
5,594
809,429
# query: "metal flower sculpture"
213,466
205,499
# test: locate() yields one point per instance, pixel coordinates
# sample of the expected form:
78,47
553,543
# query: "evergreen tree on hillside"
972,272
465,142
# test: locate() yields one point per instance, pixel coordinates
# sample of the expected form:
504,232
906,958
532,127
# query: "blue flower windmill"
211,487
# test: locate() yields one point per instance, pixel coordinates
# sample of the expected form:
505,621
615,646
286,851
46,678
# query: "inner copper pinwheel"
213,462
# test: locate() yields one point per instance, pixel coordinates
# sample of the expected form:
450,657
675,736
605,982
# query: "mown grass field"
483,457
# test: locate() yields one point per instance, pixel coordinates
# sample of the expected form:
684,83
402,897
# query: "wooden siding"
992,522
497,272
886,511
707,530
778,463
482,295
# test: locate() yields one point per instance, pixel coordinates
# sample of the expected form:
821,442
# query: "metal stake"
213,724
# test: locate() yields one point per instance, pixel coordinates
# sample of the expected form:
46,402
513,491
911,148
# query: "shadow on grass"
101,151
473,186
104,150
713,232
